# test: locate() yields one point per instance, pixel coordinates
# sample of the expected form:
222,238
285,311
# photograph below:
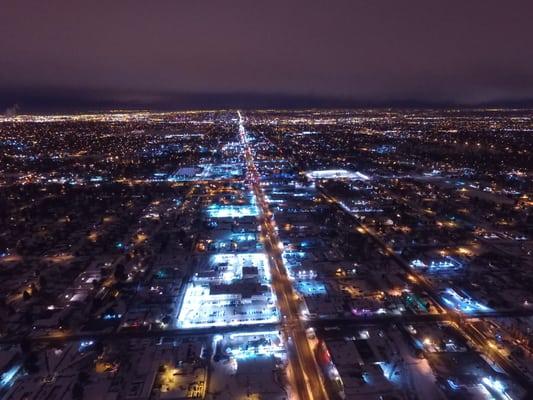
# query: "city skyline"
283,200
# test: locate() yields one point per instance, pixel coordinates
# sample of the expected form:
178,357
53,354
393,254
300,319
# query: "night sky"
194,54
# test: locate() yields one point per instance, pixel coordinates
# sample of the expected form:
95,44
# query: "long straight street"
304,372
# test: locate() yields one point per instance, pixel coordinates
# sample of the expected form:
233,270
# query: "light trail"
307,377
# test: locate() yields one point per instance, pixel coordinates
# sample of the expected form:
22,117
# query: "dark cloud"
59,54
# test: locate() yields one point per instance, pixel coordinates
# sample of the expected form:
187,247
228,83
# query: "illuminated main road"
304,373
